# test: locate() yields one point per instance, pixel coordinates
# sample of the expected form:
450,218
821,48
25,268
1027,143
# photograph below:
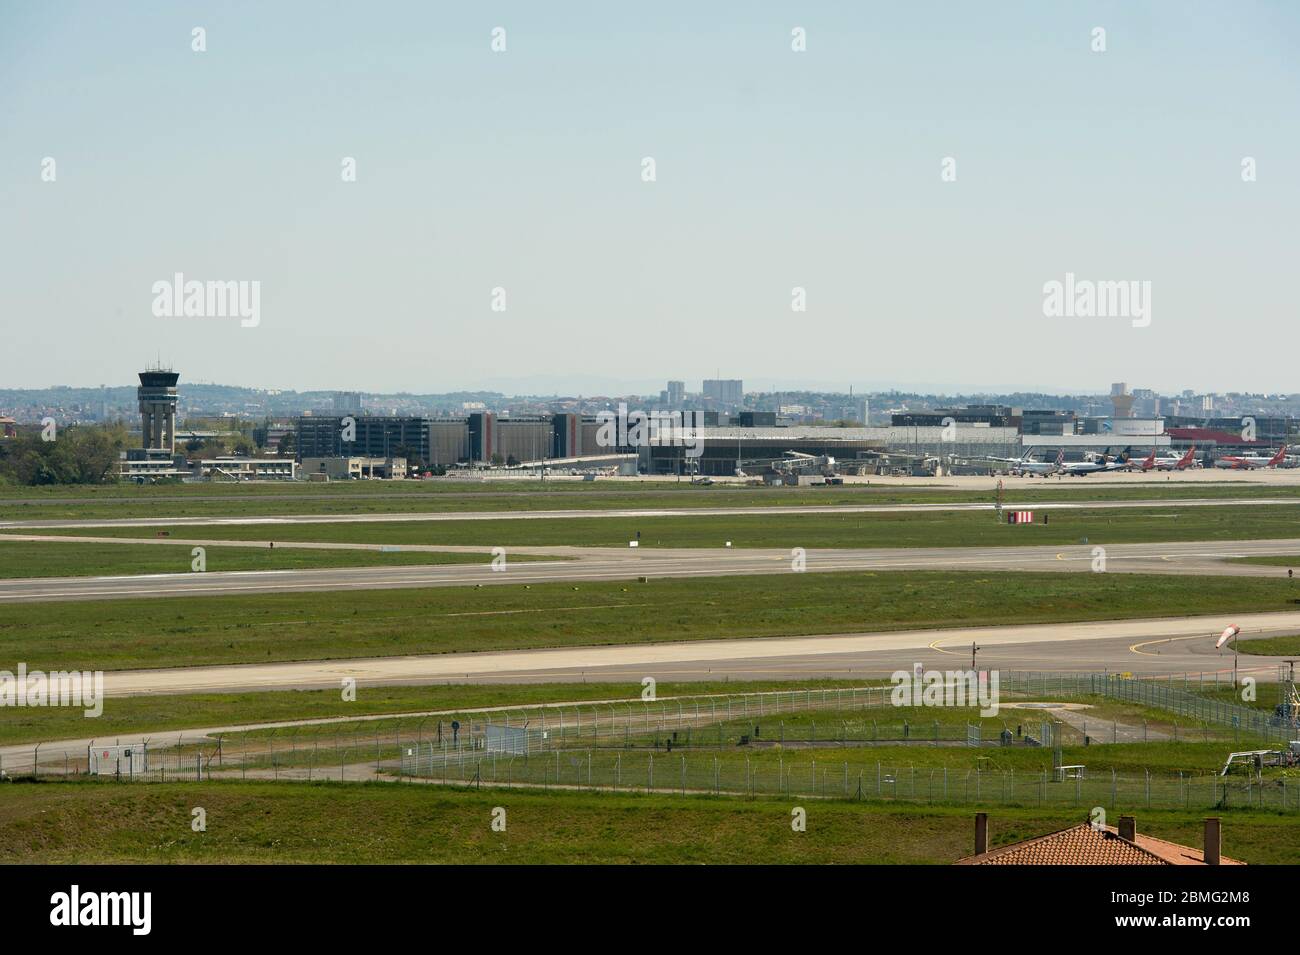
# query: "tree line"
77,454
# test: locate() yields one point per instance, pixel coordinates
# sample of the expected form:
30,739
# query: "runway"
614,564
1160,646
757,510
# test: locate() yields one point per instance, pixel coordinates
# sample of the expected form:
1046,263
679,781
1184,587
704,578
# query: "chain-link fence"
738,728
799,777
169,758
1187,698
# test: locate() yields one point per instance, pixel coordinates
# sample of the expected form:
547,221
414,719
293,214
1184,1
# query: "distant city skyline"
350,399
587,387
398,206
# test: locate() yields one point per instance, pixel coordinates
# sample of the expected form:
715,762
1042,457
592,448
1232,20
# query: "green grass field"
194,631
1200,749
264,822
950,529
1286,560
140,714
386,497
872,738
1271,646
1267,695
55,559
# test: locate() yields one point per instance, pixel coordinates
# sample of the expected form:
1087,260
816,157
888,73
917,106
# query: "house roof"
1085,845
1175,854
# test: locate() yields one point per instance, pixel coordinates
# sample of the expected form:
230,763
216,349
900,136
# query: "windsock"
1227,635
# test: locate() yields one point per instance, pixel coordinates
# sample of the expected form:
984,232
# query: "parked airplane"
1248,462
1146,464
1026,465
1163,462
1091,466
1174,463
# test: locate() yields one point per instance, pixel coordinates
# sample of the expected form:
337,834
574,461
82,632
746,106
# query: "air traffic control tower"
157,394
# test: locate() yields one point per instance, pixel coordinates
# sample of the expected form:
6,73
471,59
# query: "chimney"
982,833
1128,828
1213,840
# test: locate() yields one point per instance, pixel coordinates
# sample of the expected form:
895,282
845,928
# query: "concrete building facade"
354,468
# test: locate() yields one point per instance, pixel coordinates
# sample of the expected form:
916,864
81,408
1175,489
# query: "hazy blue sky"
775,169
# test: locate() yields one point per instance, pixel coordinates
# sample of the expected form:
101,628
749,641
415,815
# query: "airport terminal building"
941,441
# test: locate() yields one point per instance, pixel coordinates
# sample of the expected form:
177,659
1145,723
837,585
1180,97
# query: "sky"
821,169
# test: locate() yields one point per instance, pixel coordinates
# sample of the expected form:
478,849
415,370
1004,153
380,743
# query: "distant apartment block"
347,402
727,391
